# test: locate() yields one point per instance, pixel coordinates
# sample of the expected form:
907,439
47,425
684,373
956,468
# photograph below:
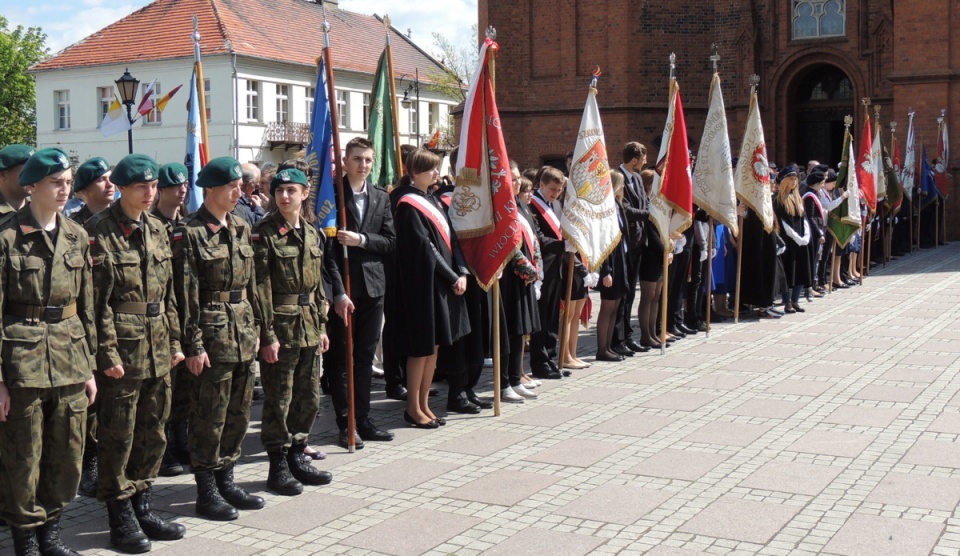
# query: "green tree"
19,49
459,63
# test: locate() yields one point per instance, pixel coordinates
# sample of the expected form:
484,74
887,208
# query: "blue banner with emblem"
320,157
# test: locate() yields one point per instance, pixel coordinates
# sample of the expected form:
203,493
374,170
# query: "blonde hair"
790,201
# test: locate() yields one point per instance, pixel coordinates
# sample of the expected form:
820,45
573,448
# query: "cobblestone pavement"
833,431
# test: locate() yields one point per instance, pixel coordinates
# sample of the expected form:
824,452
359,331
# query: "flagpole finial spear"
848,121
196,30
491,33
876,112
943,113
715,57
673,65
754,81
893,126
593,82
325,25
866,103
386,26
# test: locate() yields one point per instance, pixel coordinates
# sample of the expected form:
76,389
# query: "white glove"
703,255
713,253
781,249
591,280
569,247
679,244
536,288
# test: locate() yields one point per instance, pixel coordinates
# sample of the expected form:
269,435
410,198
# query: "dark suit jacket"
634,210
551,246
367,274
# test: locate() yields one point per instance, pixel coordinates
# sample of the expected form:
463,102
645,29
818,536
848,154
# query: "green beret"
43,163
89,172
219,171
290,175
135,168
15,155
173,174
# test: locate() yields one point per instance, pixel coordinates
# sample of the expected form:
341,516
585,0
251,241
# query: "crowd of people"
132,330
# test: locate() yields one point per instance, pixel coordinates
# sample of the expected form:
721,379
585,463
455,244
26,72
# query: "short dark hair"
633,150
295,163
357,143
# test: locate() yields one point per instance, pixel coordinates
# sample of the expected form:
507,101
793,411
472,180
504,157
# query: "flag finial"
673,65
876,113
491,33
196,30
593,82
848,121
386,28
715,57
943,114
866,102
893,126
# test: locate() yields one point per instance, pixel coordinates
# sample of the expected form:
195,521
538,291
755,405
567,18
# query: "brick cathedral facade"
816,60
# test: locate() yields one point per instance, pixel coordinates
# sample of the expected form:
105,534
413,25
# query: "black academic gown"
519,298
797,259
758,273
427,269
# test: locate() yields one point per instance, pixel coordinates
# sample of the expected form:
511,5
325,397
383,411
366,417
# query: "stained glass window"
819,18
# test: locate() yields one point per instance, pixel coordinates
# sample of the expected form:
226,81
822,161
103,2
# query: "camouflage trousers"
132,414
291,398
219,415
182,383
41,445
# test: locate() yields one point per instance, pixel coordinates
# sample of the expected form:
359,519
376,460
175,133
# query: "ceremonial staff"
943,162
491,34
866,229
667,244
342,214
201,97
754,81
888,240
911,141
393,97
715,57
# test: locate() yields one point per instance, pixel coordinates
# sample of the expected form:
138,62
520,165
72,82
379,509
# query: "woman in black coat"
613,281
795,231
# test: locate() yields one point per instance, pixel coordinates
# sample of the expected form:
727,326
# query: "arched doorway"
822,97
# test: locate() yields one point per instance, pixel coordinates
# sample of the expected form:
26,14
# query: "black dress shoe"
622,350
547,374
398,392
433,393
605,357
674,331
432,424
553,365
686,329
462,404
342,439
634,346
369,432
477,401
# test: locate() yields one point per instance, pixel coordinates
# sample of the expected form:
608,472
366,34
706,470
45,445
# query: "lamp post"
127,85
415,87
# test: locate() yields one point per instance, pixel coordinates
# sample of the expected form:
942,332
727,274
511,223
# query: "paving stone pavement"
829,432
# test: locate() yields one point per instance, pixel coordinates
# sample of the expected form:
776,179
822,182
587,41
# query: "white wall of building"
165,141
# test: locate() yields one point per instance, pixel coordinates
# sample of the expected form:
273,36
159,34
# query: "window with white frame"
253,101
434,116
206,99
105,94
61,100
153,117
366,111
283,103
311,94
819,18
343,109
412,127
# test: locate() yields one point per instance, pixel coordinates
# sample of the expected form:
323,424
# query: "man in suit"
636,207
368,238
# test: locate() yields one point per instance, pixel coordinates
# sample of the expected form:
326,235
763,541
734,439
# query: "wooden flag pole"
564,324
491,34
201,97
833,265
393,96
865,249
936,222
663,297
736,297
709,284
338,183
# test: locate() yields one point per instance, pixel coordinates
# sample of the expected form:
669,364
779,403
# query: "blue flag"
928,184
320,157
194,158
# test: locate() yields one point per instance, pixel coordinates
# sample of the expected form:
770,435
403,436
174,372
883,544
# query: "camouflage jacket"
132,266
5,207
289,262
82,215
212,260
168,224
40,272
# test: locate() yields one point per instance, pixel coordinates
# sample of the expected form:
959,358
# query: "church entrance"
822,97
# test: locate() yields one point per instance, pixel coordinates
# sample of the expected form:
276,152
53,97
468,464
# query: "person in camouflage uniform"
216,294
12,195
169,208
46,356
138,332
92,185
289,262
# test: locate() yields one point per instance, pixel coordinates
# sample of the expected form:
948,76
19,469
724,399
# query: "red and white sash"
432,213
816,200
447,198
530,238
547,212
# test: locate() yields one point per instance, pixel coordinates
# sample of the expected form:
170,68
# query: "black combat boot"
48,536
279,478
209,502
88,479
170,467
303,471
125,532
152,524
233,494
25,542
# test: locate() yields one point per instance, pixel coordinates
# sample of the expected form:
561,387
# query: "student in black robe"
758,268
431,281
796,232
613,286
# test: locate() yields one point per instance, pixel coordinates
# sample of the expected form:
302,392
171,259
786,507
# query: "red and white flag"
752,179
671,197
865,168
146,101
483,209
940,175
589,219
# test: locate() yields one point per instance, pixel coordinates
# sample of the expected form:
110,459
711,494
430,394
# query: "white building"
259,65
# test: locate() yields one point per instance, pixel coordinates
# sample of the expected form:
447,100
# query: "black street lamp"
415,87
127,85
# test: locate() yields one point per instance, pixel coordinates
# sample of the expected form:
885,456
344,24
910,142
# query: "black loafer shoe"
478,401
461,404
674,331
548,374
634,346
686,329
398,393
622,350
369,432
342,441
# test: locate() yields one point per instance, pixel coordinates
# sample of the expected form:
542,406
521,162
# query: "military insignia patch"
177,236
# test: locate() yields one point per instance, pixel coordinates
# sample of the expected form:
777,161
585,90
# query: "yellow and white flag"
589,219
753,171
114,121
713,187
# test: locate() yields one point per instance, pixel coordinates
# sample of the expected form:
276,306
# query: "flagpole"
919,192
736,297
936,242
491,33
666,245
709,284
338,184
393,100
201,98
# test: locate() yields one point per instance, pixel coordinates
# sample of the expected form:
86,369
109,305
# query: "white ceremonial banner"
753,171
713,188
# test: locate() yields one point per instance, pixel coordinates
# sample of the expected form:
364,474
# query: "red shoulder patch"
256,236
178,235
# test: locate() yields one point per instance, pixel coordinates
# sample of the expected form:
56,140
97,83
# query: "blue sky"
67,22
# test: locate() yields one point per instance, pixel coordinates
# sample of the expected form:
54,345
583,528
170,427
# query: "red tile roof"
282,30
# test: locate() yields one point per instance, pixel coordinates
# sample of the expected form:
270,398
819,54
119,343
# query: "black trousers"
679,272
695,290
623,330
367,320
543,344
